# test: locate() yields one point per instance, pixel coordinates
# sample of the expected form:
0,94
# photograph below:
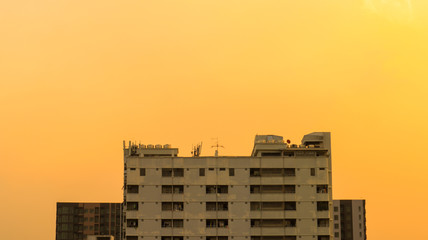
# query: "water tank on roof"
167,146
150,146
158,146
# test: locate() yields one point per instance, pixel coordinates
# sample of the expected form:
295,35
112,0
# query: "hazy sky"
78,77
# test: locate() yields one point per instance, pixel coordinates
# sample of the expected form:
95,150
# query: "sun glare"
395,10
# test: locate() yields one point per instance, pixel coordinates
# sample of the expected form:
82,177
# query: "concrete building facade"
349,219
76,221
282,191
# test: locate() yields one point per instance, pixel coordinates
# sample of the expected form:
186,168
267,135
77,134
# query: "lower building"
349,219
76,221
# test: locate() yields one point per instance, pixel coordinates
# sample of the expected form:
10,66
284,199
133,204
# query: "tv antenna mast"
216,146
197,150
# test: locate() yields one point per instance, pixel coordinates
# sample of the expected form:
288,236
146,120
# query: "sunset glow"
78,77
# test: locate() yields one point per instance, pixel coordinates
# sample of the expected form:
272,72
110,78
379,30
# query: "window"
254,172
324,237
176,189
290,206
166,189
171,238
255,206
220,223
166,172
132,223
290,222
273,223
272,206
169,172
172,206
336,217
231,172
312,171
322,206
166,206
336,209
177,206
216,189
322,188
216,238
222,169
255,189
211,206
336,234
201,172
131,237
289,172
224,189
132,189
175,223
323,222
322,169
217,206
166,223
178,172
142,172
289,188
336,226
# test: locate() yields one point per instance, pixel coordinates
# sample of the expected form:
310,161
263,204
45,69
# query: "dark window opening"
176,189
132,206
290,206
132,223
322,206
216,189
271,154
322,188
132,189
323,222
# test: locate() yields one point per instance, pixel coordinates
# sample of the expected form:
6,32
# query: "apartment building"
282,191
77,221
349,219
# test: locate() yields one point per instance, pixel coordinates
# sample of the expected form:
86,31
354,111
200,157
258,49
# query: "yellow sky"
78,77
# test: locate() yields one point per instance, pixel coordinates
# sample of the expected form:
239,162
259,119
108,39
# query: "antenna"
197,150
216,146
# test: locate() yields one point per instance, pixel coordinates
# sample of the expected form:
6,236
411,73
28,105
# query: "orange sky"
78,77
